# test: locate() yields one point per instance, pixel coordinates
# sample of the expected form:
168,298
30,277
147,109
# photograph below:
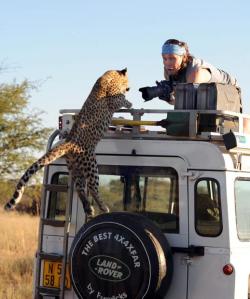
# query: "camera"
163,90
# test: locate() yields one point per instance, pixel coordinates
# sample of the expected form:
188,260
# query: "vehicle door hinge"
192,175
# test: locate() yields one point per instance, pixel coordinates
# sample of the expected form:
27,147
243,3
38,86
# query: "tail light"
60,124
228,269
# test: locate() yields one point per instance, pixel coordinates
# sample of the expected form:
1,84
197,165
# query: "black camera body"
162,90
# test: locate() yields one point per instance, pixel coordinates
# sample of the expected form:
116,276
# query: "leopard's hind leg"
80,184
93,183
83,167
75,163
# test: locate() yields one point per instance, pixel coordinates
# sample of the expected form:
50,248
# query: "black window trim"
195,206
51,192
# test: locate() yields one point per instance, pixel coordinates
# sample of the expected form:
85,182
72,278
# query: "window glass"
208,220
57,200
242,205
150,191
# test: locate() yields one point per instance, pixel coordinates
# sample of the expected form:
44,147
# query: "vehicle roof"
196,154
199,149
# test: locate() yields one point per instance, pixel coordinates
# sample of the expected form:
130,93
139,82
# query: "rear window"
146,190
149,191
242,206
208,217
57,200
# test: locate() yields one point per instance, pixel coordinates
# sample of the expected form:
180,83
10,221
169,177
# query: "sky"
64,46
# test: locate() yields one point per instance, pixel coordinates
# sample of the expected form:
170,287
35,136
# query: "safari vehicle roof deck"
179,225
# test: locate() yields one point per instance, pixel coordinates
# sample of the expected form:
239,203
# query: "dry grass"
18,242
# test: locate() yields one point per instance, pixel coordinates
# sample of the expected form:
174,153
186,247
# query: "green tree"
21,132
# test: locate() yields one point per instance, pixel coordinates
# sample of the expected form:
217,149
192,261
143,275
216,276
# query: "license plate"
52,272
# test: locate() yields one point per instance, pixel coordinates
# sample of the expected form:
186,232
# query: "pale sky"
65,46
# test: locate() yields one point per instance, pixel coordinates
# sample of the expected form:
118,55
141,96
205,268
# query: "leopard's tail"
46,159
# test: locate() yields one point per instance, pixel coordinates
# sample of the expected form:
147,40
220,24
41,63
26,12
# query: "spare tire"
120,255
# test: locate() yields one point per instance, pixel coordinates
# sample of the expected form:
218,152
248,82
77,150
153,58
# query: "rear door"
208,236
157,188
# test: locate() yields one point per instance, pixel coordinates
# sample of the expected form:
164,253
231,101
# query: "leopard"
78,147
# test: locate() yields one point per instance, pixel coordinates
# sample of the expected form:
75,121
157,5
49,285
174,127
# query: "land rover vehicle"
179,225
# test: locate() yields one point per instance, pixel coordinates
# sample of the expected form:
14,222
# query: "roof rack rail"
182,123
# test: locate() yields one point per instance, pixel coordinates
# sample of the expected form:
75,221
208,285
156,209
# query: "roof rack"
178,123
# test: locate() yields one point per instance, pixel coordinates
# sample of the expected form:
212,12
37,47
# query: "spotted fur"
106,97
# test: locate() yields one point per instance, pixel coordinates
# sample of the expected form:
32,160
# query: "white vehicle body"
210,241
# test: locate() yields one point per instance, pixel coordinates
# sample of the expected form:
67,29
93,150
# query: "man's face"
172,63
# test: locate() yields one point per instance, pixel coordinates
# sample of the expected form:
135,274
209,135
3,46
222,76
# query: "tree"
21,130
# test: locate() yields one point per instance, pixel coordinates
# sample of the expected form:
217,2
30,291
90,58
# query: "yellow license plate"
52,272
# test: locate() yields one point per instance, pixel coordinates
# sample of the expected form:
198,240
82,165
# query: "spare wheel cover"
117,256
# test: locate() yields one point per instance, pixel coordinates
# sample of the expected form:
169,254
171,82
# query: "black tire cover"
120,255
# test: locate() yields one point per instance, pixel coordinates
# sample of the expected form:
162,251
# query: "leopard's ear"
123,72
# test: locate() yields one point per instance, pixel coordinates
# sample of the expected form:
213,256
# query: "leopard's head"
112,83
